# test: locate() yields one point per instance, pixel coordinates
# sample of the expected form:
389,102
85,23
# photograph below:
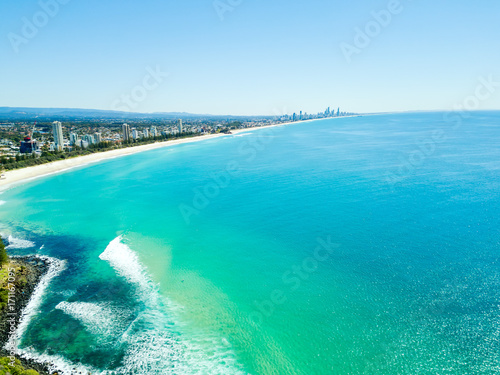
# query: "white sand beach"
18,176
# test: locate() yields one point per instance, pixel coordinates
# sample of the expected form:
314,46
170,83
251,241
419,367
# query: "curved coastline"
14,178
19,176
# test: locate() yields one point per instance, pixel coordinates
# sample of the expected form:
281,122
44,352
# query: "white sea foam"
60,364
157,352
2,203
17,243
56,363
56,266
153,346
126,263
101,320
67,293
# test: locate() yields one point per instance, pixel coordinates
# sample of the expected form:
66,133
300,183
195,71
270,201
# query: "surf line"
24,317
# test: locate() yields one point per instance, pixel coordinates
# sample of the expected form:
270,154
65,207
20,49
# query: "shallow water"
349,246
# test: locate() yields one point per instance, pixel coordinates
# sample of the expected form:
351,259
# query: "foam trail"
56,266
2,203
101,320
126,263
55,362
17,243
153,348
153,345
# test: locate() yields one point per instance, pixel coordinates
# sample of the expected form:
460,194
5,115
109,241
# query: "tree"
4,258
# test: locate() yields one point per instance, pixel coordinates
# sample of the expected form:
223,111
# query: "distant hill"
67,114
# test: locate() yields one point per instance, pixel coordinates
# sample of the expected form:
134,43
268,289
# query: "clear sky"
249,57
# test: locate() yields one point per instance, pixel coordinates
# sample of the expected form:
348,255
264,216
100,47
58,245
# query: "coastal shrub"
29,372
4,258
16,369
4,298
22,282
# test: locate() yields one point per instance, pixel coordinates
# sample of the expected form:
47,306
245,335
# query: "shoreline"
34,269
37,267
19,176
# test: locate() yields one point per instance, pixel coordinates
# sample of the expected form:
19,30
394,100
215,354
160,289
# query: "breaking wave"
152,336
17,243
101,320
56,266
154,341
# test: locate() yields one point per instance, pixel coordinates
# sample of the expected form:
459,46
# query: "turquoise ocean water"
365,245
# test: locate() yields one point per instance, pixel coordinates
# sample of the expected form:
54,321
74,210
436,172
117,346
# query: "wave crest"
126,263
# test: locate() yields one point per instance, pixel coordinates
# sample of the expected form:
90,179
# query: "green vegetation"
11,134
4,258
15,368
20,272
7,367
4,274
234,125
4,297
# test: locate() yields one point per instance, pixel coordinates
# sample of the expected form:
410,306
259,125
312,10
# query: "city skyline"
247,59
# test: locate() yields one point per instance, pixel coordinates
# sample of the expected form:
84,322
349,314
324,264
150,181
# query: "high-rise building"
146,133
126,132
135,133
180,125
154,132
89,139
73,138
97,138
58,135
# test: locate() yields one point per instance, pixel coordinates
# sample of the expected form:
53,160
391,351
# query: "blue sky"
259,57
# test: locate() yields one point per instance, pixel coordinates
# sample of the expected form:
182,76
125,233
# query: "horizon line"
254,115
